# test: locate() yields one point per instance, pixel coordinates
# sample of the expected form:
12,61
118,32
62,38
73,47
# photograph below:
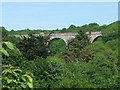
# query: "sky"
53,15
60,0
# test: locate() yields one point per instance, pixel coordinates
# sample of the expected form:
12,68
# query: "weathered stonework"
68,36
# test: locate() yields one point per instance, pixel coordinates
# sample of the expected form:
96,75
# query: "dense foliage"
77,48
79,65
14,77
57,47
3,32
33,47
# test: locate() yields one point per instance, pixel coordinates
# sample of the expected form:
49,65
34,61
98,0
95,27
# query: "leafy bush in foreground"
13,77
46,71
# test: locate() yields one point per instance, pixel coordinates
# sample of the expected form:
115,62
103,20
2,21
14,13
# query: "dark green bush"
46,71
78,48
33,47
111,36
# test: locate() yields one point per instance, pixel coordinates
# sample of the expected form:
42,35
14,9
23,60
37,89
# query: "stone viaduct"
69,36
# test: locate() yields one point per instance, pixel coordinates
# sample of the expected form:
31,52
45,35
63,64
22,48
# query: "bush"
13,39
113,44
46,71
102,72
103,69
110,36
14,77
12,56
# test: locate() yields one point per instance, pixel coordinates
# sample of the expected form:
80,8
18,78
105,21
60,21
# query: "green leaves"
9,45
57,47
28,79
16,77
77,48
33,47
13,76
2,50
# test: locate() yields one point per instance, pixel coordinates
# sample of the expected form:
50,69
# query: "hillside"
80,64
72,28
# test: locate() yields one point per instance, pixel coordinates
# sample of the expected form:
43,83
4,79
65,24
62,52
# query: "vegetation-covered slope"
81,65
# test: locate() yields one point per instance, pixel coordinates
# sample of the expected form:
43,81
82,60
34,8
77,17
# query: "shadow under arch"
53,39
95,39
57,46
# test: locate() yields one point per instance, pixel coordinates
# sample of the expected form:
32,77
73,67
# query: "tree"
33,47
111,36
64,29
78,48
80,41
94,25
4,32
72,26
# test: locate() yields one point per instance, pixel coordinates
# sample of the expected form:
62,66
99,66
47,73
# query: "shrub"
103,69
12,54
102,72
13,77
46,71
111,36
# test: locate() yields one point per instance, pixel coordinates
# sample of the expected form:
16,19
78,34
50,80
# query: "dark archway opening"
57,46
99,38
